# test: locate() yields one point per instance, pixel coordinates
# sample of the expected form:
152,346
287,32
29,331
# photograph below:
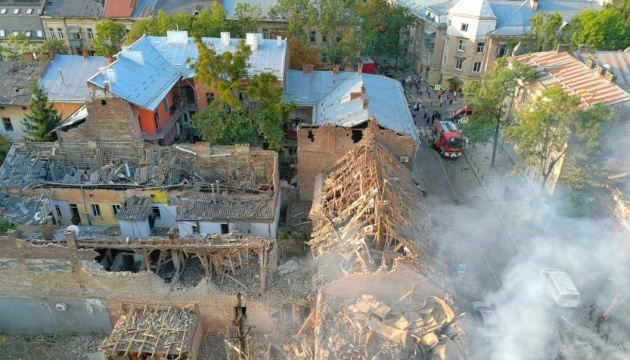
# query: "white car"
560,287
485,315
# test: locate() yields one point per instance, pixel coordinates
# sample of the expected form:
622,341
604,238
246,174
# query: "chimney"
591,63
28,56
533,4
106,86
225,38
308,68
45,56
109,59
610,77
53,52
335,69
86,53
355,95
366,102
562,48
360,69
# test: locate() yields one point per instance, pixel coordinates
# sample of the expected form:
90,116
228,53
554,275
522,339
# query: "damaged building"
197,189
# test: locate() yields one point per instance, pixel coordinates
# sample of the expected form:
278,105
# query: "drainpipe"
87,216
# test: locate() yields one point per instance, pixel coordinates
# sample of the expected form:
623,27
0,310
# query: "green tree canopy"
226,120
109,37
606,29
5,146
18,44
41,118
300,16
247,18
544,33
489,100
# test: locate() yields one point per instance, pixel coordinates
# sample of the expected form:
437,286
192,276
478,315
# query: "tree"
247,16
300,16
14,48
585,184
45,47
41,118
543,130
383,26
606,29
489,100
301,53
544,33
5,146
340,22
110,36
226,120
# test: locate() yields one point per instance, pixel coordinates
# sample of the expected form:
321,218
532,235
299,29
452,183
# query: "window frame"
475,65
155,210
90,33
312,36
6,120
51,33
459,63
60,33
461,45
464,27
96,210
481,45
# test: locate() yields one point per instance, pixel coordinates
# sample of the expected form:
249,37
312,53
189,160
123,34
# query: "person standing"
607,331
592,307
600,321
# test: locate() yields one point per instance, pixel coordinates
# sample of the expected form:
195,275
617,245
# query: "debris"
288,267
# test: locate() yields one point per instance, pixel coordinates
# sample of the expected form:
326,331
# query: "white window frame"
459,62
482,46
51,33
28,33
461,45
40,33
96,210
16,11
4,124
3,11
2,33
90,33
60,33
29,11
477,64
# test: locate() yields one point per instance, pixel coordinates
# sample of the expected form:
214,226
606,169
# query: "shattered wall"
108,118
320,147
87,280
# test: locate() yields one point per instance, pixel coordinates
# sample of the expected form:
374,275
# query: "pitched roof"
473,8
135,208
26,18
20,209
264,5
513,16
119,8
16,78
619,62
147,70
65,77
418,7
331,97
575,78
74,8
149,8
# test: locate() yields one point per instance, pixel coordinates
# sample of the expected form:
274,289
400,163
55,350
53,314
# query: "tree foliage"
544,32
247,16
606,29
109,37
266,111
543,129
386,35
489,99
300,16
208,23
18,44
300,53
41,118
5,146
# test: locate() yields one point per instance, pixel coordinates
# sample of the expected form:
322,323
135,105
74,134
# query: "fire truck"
447,139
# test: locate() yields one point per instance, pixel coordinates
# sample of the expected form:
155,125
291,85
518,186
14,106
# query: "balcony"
176,112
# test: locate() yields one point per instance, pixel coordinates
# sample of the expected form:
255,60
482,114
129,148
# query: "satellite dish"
73,228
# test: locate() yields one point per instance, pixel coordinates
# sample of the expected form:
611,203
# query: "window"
502,50
209,97
40,33
156,212
458,63
195,229
464,27
16,11
312,36
481,47
8,126
324,38
29,11
96,210
90,33
447,41
27,33
225,228
60,33
156,116
58,210
477,66
461,45
449,23
2,33
265,33
51,33
3,11
15,32
115,209
165,103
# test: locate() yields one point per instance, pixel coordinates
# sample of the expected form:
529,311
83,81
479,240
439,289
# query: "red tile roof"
575,78
119,8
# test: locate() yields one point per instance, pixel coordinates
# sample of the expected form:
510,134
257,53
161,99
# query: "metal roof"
475,8
575,78
264,5
16,78
141,75
149,8
619,62
74,8
204,206
119,8
22,22
513,16
418,7
330,95
65,77
20,209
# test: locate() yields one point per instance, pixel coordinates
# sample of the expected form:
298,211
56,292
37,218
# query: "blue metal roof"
65,77
140,75
330,96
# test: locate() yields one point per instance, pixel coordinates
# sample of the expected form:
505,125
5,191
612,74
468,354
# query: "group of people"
600,323
423,112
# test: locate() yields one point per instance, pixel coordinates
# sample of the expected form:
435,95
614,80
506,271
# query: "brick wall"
87,280
109,118
320,147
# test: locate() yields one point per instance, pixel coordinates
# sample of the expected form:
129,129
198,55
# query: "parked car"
463,111
560,287
485,315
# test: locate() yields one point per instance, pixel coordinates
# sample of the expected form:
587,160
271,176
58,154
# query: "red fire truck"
447,139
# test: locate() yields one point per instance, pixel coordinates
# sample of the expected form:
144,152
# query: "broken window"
115,209
225,228
58,210
156,212
8,126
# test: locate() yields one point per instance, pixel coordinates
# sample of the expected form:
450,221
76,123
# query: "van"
560,287
463,111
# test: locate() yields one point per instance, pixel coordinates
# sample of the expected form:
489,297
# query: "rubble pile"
369,327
